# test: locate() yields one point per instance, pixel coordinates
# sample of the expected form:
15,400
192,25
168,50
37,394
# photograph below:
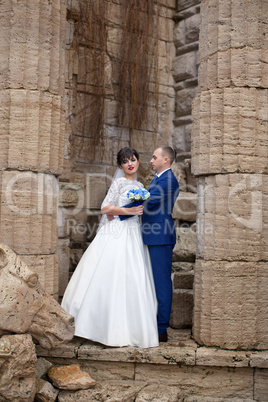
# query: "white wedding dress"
111,293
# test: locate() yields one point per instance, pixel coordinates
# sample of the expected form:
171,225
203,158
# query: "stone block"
179,34
180,174
232,217
35,38
185,248
29,211
259,359
182,308
24,112
192,27
42,367
182,136
183,4
261,384
232,47
116,391
221,358
180,266
185,207
45,392
184,66
215,382
184,99
17,380
231,309
183,280
163,356
229,131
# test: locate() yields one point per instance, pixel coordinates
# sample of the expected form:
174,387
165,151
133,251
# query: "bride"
111,293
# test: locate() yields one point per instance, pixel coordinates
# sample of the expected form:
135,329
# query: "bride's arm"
113,210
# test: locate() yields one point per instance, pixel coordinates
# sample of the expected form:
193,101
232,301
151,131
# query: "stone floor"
179,370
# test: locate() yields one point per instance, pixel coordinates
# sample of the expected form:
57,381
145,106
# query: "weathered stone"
259,359
223,358
232,217
17,378
184,101
192,26
201,381
70,377
261,384
114,390
180,266
29,211
183,4
45,392
230,307
167,355
184,66
231,135
185,207
185,248
179,172
182,136
26,307
46,267
42,367
182,308
183,280
159,392
232,46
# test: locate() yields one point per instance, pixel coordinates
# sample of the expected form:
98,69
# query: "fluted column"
230,159
32,130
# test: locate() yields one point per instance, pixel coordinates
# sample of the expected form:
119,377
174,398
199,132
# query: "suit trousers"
161,258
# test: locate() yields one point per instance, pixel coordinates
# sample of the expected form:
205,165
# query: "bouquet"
138,195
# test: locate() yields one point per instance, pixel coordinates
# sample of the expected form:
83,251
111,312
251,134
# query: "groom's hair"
169,152
126,153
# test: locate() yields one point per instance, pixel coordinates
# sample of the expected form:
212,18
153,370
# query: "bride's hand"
136,210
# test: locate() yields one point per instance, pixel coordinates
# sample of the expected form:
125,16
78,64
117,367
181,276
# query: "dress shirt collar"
159,174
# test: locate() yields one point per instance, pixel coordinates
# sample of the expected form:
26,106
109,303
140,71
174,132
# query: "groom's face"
158,162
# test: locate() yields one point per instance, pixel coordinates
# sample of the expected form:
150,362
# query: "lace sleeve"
112,195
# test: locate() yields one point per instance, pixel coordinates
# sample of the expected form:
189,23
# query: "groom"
159,233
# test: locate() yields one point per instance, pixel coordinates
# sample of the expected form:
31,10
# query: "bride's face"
130,166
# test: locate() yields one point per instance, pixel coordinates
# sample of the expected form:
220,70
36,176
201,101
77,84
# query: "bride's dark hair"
126,153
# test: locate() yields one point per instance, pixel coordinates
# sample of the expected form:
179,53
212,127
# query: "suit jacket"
157,223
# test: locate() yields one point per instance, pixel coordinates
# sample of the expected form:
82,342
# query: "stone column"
32,130
230,159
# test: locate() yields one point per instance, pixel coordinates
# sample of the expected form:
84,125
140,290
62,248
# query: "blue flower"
138,194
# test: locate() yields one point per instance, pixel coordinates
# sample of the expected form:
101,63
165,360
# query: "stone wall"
86,178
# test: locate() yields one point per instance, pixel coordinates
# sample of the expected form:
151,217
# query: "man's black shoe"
162,337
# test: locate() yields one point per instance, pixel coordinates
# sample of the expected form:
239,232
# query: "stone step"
175,371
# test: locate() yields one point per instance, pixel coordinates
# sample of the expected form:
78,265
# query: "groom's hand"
110,217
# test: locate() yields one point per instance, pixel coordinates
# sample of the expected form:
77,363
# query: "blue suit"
159,235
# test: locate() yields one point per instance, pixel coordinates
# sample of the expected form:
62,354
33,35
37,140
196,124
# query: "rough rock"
116,391
45,392
70,377
182,308
42,367
185,248
185,207
26,307
17,368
